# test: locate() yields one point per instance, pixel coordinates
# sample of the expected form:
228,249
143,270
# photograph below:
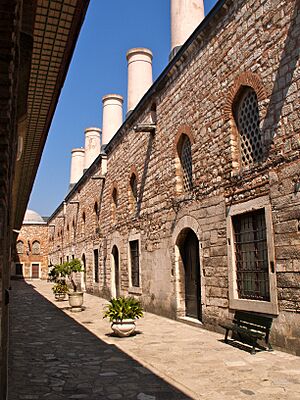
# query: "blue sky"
98,67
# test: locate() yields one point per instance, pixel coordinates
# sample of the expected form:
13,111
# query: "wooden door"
35,271
192,276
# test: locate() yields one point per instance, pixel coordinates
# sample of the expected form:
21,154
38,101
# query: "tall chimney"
112,116
77,165
91,145
185,17
139,75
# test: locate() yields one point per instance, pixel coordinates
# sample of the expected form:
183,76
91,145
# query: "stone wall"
28,235
246,43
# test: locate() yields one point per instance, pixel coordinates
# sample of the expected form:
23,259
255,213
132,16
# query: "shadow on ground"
53,357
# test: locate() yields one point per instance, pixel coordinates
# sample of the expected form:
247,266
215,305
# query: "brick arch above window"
243,80
186,130
183,159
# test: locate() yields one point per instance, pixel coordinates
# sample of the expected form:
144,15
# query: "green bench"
248,328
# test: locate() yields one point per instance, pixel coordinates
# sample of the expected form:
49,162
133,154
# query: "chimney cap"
92,128
139,50
78,150
112,96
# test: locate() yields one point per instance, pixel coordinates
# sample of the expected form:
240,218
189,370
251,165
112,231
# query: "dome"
32,217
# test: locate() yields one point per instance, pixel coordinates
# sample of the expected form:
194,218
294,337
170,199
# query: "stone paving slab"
165,360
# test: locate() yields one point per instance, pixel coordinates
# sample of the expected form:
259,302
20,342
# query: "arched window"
185,156
114,203
133,191
246,114
20,247
36,247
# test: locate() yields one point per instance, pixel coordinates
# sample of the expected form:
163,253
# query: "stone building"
30,259
193,203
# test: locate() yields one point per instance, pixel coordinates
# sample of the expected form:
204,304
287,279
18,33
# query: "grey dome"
32,217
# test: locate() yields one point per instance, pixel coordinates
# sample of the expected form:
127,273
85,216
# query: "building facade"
30,258
193,205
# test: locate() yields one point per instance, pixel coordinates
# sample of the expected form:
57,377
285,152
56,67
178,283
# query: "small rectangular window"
251,255
96,266
135,268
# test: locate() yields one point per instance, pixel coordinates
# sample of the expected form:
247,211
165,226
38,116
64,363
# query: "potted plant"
68,270
75,296
60,289
122,313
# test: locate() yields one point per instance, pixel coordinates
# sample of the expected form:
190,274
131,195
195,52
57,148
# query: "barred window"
135,267
186,163
20,247
36,247
251,255
247,121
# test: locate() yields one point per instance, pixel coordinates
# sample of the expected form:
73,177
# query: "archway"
116,269
188,245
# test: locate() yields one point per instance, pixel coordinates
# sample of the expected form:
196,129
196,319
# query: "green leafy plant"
60,288
120,308
67,269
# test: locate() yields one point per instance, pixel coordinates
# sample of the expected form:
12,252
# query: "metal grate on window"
251,145
135,269
36,247
186,162
251,255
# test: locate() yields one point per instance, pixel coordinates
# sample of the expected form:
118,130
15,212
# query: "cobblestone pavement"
56,354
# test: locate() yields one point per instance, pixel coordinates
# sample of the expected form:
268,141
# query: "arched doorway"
189,252
115,259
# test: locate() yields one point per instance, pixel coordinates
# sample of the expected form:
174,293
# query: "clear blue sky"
98,67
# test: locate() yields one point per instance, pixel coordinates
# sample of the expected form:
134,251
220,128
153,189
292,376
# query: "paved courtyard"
56,354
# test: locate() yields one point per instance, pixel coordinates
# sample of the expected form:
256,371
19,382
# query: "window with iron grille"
36,247
135,268
133,187
20,247
251,255
247,121
96,265
186,163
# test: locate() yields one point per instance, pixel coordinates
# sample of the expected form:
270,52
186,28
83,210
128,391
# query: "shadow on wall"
52,356
284,75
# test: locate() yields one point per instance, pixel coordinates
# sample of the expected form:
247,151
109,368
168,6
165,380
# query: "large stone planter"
60,296
123,328
76,301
